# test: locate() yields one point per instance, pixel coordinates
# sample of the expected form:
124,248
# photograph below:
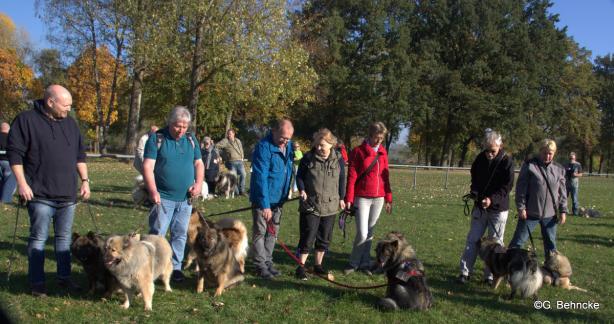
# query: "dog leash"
533,249
271,230
241,209
12,256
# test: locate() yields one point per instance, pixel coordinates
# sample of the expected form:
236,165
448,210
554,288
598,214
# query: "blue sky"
589,22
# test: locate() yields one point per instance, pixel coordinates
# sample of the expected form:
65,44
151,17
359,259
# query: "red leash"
271,230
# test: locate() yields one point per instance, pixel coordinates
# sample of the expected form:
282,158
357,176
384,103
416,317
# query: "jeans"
239,168
42,212
480,221
368,213
263,243
572,189
8,183
175,214
548,229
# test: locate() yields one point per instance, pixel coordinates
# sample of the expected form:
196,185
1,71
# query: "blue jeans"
175,214
481,220
239,168
7,182
548,229
572,189
41,214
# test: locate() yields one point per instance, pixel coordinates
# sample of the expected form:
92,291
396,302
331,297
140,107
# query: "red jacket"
374,184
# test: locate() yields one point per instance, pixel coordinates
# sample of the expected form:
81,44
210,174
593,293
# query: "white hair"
179,113
491,137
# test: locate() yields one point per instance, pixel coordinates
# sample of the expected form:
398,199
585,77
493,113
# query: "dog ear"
127,242
75,236
91,235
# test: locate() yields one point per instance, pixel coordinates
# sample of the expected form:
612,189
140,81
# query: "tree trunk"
446,140
590,161
119,44
195,73
464,150
135,111
228,121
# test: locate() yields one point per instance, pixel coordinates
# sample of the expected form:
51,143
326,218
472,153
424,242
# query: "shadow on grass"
590,239
112,189
114,203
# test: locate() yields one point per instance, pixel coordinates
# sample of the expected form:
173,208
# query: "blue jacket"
271,174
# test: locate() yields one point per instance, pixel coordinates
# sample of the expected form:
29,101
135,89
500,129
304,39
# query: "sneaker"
463,279
177,276
273,271
70,286
39,290
349,270
300,273
318,269
265,274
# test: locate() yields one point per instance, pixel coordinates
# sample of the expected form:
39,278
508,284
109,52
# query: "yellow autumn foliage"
16,83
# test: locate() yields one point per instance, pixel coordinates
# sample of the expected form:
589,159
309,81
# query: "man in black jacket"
492,177
44,149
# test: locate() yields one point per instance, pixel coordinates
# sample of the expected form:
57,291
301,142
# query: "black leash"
344,218
12,256
533,249
241,209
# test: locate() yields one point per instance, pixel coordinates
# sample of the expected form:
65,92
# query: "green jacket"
230,151
323,181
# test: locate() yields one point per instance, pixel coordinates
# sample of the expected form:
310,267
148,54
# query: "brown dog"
89,251
557,271
136,263
220,253
234,231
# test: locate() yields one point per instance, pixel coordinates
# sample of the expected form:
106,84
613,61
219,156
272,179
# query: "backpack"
160,138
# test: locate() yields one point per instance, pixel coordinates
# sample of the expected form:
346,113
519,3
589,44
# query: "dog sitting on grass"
557,271
407,287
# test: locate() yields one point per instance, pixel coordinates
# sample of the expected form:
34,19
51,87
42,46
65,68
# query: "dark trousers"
318,228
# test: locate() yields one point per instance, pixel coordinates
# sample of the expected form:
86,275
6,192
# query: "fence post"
447,172
415,174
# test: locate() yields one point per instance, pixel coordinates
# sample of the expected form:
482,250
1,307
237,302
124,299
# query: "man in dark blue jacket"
45,148
269,186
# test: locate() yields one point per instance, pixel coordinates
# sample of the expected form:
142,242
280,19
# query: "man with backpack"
140,149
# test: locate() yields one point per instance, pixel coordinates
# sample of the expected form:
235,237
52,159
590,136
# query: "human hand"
388,208
85,190
25,192
195,190
303,195
486,202
522,214
267,214
341,204
563,218
155,197
348,205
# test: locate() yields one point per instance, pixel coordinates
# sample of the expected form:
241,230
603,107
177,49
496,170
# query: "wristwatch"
85,180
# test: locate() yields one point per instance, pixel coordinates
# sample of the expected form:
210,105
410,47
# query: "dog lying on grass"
557,271
407,287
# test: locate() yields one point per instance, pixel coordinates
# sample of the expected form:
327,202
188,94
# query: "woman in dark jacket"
320,179
368,190
211,159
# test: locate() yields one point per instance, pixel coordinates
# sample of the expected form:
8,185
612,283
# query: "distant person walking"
269,186
540,192
573,172
7,178
368,188
211,160
492,178
231,150
140,149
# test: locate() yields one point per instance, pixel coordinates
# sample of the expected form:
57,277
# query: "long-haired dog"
89,251
136,262
518,265
234,231
220,252
407,287
557,271
226,183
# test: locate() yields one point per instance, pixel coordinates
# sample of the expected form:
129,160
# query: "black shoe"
177,276
265,274
489,281
39,290
318,269
273,271
70,286
300,273
463,279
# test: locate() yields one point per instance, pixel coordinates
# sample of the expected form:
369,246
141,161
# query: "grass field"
430,216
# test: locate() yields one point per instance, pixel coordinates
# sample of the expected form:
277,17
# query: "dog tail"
237,226
527,281
572,287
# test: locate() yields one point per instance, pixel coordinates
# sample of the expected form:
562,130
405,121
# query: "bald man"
46,152
7,179
269,187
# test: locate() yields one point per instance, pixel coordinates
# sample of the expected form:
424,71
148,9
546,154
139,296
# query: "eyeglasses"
493,152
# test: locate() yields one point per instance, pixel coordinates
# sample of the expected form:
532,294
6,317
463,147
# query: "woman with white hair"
492,177
540,192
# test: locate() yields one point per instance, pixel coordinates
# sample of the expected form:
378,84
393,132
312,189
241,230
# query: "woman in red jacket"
368,188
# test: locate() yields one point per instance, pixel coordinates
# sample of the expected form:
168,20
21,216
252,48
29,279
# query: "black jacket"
501,184
49,151
214,168
3,146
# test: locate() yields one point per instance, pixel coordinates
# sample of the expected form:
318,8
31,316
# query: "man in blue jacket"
269,186
46,152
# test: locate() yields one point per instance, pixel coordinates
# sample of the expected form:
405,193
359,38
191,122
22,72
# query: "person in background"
492,178
7,178
298,155
231,150
573,171
340,147
46,152
320,178
140,149
368,188
211,159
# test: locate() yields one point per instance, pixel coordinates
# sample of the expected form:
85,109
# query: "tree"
50,68
604,70
16,84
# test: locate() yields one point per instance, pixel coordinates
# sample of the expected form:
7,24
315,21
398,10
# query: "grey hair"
179,113
491,137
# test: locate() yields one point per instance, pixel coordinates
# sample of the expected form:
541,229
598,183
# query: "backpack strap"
160,138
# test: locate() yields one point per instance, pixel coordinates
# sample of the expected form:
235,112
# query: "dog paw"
125,305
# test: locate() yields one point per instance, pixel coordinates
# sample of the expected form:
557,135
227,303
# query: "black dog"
89,250
407,288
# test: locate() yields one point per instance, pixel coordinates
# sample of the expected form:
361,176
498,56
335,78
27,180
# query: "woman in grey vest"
320,178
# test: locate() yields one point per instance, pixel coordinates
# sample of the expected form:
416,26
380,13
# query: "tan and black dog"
89,251
136,262
407,287
557,271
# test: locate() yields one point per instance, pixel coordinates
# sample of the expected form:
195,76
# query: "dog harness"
408,270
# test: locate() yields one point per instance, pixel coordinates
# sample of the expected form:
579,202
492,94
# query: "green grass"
430,216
